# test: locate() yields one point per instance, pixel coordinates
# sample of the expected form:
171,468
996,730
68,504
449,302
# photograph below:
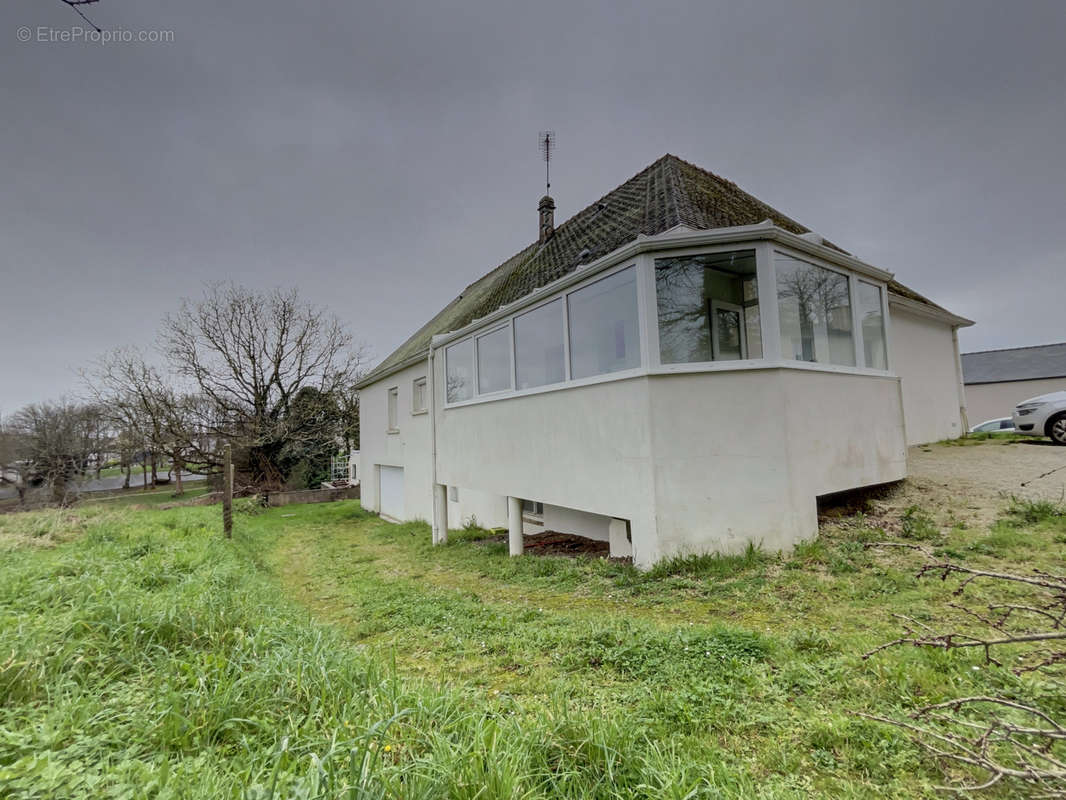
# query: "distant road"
112,483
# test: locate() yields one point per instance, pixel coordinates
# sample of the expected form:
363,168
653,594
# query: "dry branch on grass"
996,739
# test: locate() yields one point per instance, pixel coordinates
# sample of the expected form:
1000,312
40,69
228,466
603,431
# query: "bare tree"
250,355
59,441
999,739
10,472
146,408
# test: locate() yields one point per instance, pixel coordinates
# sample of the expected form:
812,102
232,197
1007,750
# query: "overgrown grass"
141,655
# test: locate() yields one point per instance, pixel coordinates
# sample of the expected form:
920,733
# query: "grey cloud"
381,155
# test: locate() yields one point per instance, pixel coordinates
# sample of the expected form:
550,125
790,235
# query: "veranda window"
538,343
872,320
459,369
814,305
604,326
708,307
494,361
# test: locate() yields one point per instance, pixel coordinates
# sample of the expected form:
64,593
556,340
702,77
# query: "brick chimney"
547,218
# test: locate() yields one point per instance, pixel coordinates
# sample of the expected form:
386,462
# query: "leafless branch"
997,738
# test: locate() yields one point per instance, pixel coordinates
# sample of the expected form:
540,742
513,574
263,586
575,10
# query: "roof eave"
373,378
932,312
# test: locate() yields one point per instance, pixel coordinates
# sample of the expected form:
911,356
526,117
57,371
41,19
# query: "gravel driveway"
974,482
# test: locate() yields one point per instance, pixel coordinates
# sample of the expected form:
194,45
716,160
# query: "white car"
1001,425
1043,416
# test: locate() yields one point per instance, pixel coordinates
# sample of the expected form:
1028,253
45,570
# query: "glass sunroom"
741,305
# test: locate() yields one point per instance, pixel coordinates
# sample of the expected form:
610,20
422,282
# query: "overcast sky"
383,156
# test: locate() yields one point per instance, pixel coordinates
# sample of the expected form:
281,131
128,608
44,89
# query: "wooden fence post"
227,493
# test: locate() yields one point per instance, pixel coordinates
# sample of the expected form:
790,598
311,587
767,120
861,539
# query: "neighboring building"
997,380
679,368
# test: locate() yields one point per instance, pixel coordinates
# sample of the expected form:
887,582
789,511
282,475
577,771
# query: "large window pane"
815,309
872,319
494,362
604,333
538,345
459,367
708,307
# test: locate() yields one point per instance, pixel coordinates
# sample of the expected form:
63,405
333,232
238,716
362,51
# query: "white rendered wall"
985,401
585,448
409,448
481,508
742,456
697,462
923,355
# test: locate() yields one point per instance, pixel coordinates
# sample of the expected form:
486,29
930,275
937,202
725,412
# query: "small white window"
418,396
394,402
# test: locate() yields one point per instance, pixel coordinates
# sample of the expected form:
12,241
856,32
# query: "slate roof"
668,193
1015,364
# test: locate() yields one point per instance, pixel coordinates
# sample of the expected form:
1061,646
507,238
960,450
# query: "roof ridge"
674,192
1009,349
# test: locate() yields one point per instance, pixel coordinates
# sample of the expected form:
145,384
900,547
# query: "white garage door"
391,482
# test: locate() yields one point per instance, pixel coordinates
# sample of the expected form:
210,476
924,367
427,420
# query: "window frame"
568,349
856,335
423,383
568,381
392,410
857,323
477,337
473,370
512,320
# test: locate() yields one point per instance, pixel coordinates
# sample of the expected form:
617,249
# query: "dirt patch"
967,484
553,543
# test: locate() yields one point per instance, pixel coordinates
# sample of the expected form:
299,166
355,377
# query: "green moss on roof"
666,194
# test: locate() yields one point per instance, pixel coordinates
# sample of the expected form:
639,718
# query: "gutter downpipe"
960,382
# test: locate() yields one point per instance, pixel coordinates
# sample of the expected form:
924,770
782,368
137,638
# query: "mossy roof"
664,195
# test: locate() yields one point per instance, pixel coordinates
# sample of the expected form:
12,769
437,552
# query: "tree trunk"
59,489
155,474
144,475
178,464
126,483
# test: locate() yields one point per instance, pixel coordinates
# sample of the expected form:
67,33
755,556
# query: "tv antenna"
547,147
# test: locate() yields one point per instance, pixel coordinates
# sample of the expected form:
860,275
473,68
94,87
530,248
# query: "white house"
997,380
678,368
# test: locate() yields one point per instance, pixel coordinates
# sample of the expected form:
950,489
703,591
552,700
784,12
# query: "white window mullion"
890,365
566,337
648,311
856,322
473,351
510,349
514,355
769,316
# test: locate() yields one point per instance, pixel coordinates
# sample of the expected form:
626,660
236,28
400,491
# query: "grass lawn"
325,653
136,496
